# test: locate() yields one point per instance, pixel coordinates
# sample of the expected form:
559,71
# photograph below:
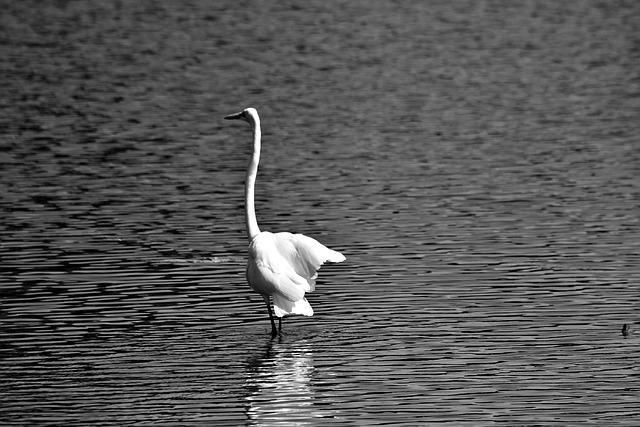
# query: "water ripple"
477,165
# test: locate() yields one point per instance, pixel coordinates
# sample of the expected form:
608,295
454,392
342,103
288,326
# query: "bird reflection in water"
278,385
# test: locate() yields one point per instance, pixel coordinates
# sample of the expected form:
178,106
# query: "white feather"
285,266
283,307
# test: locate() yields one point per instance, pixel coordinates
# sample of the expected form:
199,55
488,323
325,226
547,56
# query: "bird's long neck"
250,181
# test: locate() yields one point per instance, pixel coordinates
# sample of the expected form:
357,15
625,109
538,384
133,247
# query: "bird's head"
249,115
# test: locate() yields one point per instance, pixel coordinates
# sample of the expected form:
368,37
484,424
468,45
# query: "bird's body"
283,266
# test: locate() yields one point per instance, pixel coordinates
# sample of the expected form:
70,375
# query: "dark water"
477,162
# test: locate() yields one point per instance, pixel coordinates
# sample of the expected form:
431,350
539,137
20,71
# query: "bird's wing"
270,277
306,255
286,264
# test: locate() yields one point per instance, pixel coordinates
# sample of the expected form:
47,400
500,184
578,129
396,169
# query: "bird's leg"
274,331
280,324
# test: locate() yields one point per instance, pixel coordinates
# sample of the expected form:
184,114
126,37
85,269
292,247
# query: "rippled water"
477,163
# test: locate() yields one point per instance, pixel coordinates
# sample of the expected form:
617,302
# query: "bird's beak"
235,116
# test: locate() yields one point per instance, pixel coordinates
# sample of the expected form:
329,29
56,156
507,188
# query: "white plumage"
285,266
281,265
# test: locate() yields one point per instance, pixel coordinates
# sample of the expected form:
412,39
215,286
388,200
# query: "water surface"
476,162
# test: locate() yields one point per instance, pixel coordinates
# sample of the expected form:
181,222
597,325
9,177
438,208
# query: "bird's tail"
282,306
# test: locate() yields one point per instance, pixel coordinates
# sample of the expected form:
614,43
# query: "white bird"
281,265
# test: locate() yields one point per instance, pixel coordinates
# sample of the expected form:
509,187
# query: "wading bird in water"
281,265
